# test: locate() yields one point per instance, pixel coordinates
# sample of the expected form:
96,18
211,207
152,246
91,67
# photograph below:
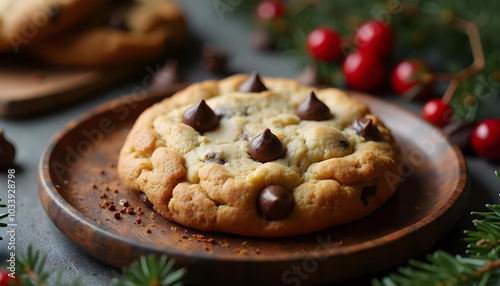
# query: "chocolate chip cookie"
261,157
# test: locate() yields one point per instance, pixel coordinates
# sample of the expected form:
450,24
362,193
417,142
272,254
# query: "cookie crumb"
257,251
184,236
173,228
111,207
138,220
198,237
124,203
111,164
148,230
116,191
241,251
123,210
116,215
102,172
130,210
206,248
139,210
103,196
94,186
244,243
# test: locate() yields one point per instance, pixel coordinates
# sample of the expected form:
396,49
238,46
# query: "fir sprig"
147,271
150,271
481,267
31,270
422,29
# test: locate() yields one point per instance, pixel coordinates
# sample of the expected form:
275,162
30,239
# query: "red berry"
486,139
437,112
269,10
323,44
6,280
406,76
376,37
363,71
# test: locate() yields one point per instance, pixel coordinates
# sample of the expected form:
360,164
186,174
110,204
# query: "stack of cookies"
84,33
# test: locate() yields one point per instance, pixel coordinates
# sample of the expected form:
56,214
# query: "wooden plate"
78,169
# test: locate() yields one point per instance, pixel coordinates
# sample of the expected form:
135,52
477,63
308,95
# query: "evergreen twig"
481,267
150,271
422,28
147,271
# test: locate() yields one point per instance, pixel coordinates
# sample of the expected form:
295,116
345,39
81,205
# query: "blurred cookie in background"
26,22
125,32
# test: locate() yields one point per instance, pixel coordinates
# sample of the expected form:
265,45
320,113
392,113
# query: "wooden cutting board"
28,87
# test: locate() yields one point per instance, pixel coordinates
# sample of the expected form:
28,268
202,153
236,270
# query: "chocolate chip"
364,127
53,14
460,133
313,109
143,198
266,147
310,76
166,76
252,84
261,40
117,21
214,60
201,117
215,157
343,143
366,192
275,202
7,152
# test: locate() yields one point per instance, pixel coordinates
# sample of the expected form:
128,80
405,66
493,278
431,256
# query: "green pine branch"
147,271
480,268
424,33
150,271
31,270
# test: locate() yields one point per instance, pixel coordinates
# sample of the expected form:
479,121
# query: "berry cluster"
364,69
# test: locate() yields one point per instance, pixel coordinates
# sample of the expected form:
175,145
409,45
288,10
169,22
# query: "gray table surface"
31,136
